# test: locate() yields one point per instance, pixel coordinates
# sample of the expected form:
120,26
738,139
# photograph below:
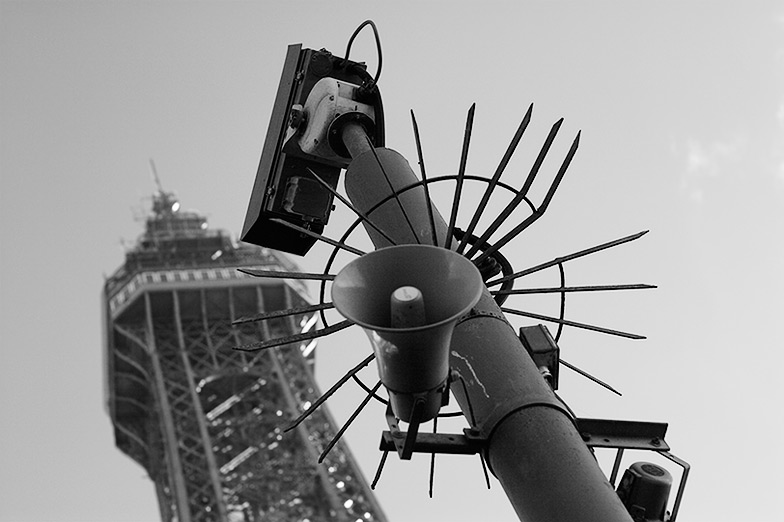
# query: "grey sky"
681,107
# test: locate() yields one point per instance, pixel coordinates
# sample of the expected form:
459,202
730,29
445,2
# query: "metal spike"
555,289
351,206
584,326
343,429
542,153
468,400
484,469
321,400
568,257
561,172
394,192
283,313
271,343
379,469
286,275
521,195
425,184
433,460
591,377
538,212
319,236
460,176
496,176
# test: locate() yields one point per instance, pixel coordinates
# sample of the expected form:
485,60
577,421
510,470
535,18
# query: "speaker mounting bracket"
406,443
466,443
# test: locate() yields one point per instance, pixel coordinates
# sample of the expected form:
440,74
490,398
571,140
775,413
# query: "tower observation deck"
206,421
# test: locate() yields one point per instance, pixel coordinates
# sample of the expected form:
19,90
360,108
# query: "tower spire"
163,203
155,176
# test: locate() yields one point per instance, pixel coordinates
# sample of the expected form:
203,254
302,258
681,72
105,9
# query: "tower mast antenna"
155,176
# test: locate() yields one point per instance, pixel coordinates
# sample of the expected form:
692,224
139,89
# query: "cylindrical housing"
645,489
367,183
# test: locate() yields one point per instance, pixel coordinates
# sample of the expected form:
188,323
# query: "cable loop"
374,81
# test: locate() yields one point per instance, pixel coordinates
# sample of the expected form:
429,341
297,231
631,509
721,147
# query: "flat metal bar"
275,274
590,377
283,313
271,343
346,425
682,486
588,288
425,184
521,195
566,258
351,206
318,236
453,444
321,400
460,177
494,180
616,466
539,212
603,433
566,322
413,430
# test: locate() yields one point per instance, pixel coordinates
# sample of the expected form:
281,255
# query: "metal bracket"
448,443
543,351
603,433
401,441
597,433
622,435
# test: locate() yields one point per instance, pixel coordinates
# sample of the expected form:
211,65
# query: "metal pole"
533,447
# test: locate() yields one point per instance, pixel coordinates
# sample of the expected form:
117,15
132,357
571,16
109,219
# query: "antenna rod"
533,447
155,176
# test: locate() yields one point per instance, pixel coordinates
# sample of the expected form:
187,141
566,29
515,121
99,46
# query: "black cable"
378,48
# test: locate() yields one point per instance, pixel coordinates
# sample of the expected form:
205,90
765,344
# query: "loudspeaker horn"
408,298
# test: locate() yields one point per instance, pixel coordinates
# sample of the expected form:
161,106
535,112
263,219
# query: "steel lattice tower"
204,420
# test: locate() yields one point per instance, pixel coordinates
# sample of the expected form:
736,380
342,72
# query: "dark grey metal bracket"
623,435
596,433
620,434
412,441
448,443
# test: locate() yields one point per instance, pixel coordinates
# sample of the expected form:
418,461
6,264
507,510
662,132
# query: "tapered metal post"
533,448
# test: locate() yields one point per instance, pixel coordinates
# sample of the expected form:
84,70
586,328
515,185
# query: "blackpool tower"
204,420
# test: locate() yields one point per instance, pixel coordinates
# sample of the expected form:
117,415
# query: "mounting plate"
284,187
